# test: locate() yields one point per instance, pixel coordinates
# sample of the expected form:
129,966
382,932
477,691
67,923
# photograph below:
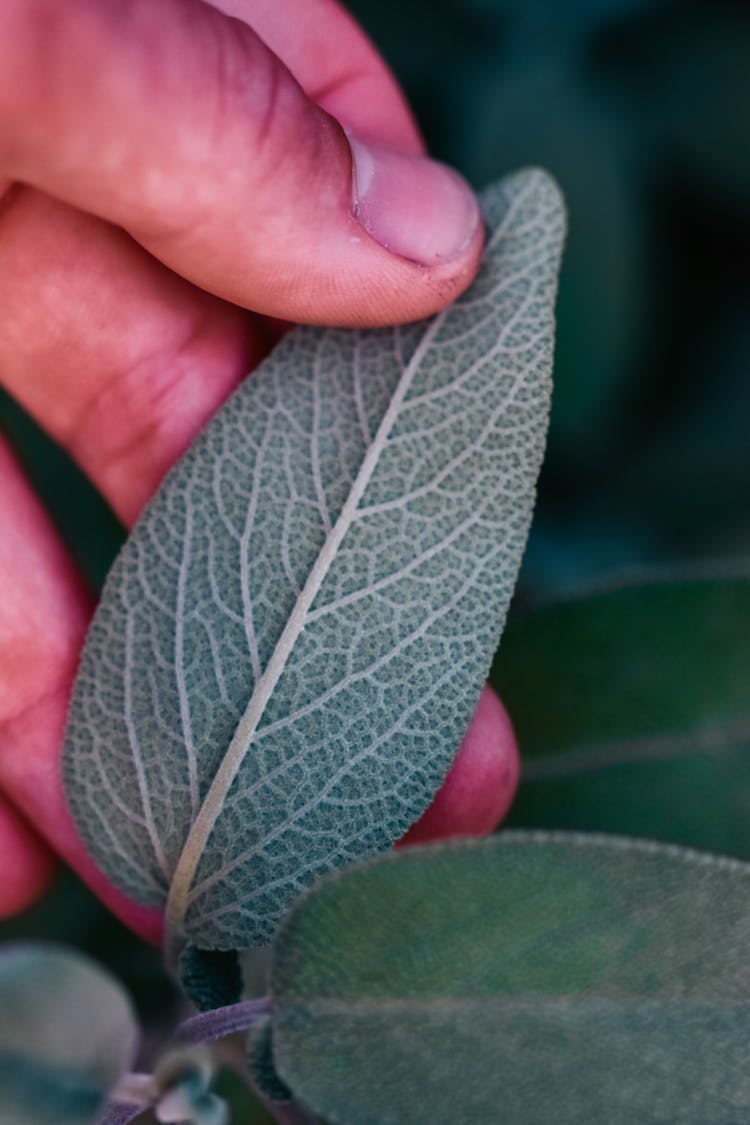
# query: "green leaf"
527,978
291,644
211,978
261,1065
635,664
645,727
698,797
67,1035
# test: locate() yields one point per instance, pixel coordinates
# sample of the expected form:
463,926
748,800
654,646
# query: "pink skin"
31,865
128,259
480,786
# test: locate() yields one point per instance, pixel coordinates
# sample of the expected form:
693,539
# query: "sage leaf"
210,978
546,978
67,1035
645,728
261,1066
291,644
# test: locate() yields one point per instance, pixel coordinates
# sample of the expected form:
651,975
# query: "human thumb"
181,125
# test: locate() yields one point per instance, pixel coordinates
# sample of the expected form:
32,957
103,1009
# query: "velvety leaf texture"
211,978
67,1035
262,1070
545,978
291,644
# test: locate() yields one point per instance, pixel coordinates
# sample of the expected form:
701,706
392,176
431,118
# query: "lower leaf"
530,978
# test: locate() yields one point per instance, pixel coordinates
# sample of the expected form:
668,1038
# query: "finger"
480,786
336,65
27,863
119,359
179,124
44,611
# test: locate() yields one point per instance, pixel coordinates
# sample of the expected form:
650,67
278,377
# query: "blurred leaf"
70,914
700,798
632,712
67,1035
262,1067
629,666
528,978
568,553
529,27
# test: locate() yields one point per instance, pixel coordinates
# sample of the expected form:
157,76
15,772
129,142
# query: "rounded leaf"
553,979
67,1035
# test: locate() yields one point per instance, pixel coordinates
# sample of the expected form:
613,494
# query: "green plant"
292,641
535,977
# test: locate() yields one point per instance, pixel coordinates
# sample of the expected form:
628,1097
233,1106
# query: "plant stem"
215,1024
119,1113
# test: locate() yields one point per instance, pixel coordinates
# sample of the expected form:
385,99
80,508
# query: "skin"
167,199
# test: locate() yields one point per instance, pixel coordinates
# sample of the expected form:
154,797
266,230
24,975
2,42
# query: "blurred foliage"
70,915
641,109
645,723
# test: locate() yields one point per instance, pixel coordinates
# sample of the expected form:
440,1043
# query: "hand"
161,171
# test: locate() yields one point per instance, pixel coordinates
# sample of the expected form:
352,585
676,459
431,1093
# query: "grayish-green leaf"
67,1035
291,644
645,726
545,979
262,1070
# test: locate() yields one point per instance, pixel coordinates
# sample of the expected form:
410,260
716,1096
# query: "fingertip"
413,206
225,169
480,786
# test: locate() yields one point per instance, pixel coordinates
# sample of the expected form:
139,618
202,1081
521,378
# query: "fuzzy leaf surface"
292,642
67,1035
547,978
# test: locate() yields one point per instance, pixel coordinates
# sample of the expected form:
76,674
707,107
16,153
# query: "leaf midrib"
354,1006
210,810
